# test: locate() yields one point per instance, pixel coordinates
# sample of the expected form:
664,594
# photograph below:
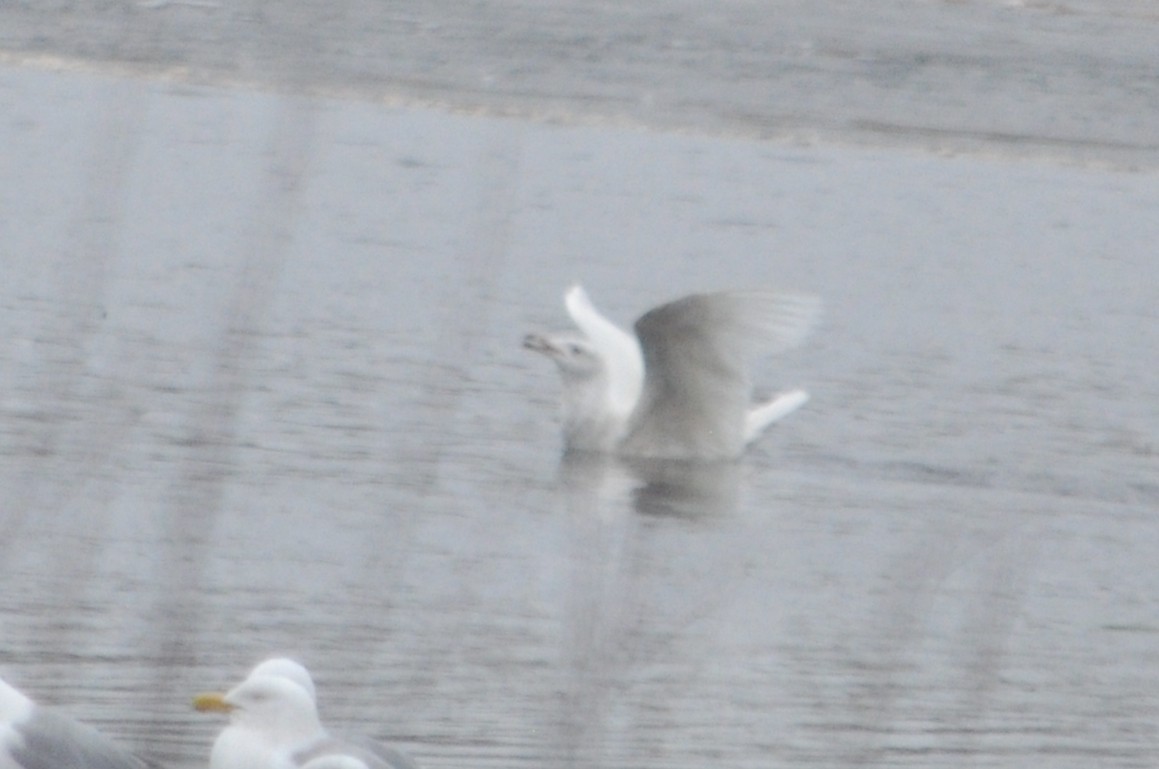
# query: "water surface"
261,391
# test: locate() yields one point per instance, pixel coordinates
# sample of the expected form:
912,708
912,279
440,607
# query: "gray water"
261,391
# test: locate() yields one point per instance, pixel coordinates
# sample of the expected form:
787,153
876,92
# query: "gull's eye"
575,349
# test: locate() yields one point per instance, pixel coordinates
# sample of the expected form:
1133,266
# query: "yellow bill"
211,702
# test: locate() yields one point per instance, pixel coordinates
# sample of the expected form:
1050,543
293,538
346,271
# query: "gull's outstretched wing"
619,349
696,354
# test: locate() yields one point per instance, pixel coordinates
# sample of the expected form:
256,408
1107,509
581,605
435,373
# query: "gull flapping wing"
696,354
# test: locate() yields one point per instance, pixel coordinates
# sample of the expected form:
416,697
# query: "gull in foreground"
679,387
32,737
274,724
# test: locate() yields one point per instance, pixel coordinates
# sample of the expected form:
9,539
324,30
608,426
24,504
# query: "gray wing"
54,741
696,360
392,757
375,754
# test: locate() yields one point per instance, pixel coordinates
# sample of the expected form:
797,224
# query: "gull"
679,387
32,737
274,724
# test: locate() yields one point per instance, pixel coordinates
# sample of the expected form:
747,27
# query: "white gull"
679,387
274,724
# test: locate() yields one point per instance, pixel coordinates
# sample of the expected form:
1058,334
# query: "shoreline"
924,140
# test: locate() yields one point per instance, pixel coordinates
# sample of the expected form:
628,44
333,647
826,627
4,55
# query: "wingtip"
795,316
576,300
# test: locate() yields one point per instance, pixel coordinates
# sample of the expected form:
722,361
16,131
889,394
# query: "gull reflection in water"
648,566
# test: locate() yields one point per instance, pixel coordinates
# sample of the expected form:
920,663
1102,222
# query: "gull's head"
274,705
286,668
576,357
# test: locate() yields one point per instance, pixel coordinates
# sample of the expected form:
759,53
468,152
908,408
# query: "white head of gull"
274,724
269,718
679,387
32,737
285,667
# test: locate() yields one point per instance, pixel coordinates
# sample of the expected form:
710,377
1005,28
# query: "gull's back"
333,753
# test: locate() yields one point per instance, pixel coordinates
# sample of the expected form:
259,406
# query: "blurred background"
266,269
